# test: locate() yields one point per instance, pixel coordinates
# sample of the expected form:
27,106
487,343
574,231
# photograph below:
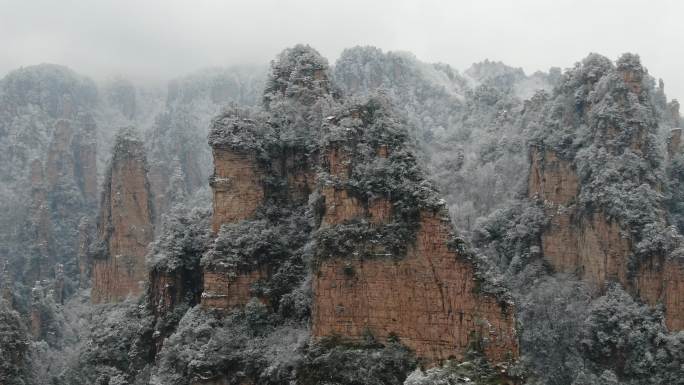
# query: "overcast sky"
159,39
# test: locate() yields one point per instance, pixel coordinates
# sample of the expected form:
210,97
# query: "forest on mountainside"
459,141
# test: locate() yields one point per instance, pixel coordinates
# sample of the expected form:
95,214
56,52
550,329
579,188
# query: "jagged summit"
299,73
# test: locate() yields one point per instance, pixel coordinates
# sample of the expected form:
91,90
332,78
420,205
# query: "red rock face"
429,300
72,155
59,162
125,226
229,289
70,161
662,281
36,323
673,296
238,190
88,157
595,249
237,187
552,179
633,80
340,206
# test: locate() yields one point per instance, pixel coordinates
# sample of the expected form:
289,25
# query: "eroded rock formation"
48,152
427,294
386,261
124,226
593,196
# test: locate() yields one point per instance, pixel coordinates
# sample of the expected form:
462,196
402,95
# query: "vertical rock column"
124,225
238,192
236,187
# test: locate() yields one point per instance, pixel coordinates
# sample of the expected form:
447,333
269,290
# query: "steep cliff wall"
237,187
595,248
124,224
429,297
244,190
586,244
85,262
602,212
429,301
386,261
228,289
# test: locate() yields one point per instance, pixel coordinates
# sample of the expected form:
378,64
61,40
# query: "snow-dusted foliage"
472,371
470,127
180,159
45,118
252,345
472,130
14,347
510,237
605,118
239,346
429,94
183,238
628,338
602,117
116,348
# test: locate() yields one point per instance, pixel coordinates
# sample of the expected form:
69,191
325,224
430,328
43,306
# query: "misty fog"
158,40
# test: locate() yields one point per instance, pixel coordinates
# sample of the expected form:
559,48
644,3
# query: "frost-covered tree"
14,347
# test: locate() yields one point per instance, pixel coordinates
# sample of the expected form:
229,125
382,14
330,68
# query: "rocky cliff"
179,159
124,227
385,261
596,171
388,262
49,168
